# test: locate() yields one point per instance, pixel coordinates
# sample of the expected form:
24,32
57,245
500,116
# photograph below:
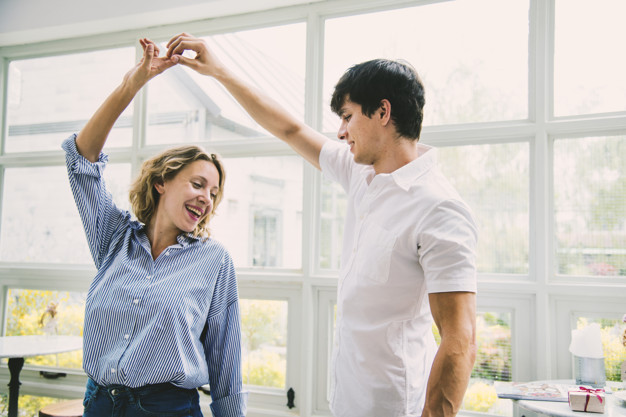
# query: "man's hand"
205,62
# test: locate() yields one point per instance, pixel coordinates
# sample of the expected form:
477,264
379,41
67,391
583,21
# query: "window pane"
35,312
332,215
470,75
493,363
590,206
613,333
264,340
40,222
588,69
494,181
184,105
260,217
29,405
50,98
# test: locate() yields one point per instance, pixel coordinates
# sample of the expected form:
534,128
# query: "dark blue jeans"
163,400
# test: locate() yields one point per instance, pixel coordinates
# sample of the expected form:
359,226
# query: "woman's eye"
197,185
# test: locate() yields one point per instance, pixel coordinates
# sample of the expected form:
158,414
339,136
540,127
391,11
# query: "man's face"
361,133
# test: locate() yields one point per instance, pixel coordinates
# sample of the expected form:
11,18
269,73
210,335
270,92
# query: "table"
16,348
614,407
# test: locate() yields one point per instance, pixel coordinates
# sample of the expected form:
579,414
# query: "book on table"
537,390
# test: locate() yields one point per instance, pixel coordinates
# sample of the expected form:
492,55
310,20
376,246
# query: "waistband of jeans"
145,389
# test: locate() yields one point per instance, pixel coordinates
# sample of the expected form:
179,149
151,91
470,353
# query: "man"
409,241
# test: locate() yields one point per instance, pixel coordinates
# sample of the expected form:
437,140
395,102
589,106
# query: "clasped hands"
152,64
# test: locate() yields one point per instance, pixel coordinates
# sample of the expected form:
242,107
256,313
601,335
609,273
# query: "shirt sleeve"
447,248
100,217
222,345
336,163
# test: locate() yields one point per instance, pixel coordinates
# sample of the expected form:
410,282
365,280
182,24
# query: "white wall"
28,21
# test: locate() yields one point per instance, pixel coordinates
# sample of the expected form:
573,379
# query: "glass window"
260,217
50,98
39,312
613,333
184,105
264,341
29,405
588,69
590,206
493,363
40,221
333,203
266,249
470,75
494,181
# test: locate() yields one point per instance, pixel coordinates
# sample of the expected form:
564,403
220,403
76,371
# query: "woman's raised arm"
92,137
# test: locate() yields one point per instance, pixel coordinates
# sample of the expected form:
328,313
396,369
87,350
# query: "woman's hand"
91,138
150,65
205,61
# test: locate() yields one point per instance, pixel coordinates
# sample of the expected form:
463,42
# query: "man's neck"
397,155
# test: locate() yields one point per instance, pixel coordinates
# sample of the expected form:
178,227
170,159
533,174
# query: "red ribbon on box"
590,391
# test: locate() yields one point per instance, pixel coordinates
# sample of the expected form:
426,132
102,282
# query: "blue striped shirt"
174,319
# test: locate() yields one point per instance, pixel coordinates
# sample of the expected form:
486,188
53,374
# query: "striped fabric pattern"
174,319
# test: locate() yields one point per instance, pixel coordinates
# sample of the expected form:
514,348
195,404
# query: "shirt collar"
405,176
183,239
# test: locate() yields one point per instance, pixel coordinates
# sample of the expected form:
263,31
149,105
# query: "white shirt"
407,234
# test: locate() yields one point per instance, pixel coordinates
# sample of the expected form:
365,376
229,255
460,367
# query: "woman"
162,316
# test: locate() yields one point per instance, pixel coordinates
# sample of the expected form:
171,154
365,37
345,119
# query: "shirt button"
126,336
167,254
112,370
136,301
149,277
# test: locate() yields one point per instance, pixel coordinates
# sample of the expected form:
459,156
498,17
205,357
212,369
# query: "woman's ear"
159,187
385,111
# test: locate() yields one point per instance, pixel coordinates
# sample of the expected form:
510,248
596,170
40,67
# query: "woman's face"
188,197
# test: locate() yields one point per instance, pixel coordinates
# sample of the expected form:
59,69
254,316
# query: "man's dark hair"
368,83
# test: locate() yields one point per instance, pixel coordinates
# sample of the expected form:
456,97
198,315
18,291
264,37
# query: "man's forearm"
449,378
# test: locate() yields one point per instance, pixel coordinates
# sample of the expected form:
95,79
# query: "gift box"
587,399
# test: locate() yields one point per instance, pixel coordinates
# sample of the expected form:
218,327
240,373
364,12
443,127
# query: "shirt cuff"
78,164
234,405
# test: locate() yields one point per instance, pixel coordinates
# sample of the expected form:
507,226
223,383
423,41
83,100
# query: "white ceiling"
27,21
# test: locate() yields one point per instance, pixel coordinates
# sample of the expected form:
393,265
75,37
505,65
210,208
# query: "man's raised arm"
262,108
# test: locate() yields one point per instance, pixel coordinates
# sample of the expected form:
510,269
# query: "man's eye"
347,118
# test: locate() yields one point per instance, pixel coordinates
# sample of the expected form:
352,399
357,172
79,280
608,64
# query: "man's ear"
385,111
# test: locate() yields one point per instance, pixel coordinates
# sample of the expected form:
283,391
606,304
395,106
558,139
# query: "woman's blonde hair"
144,197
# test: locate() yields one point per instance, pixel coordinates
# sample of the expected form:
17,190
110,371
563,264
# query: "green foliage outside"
611,331
264,342
29,313
29,405
480,396
493,363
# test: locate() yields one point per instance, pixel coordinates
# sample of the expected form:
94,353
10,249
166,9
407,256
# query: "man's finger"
148,54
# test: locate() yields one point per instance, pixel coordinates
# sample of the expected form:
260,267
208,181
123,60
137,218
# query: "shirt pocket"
374,254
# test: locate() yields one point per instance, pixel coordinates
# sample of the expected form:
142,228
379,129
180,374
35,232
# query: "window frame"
540,301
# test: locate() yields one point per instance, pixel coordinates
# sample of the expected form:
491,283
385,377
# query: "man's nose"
342,132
